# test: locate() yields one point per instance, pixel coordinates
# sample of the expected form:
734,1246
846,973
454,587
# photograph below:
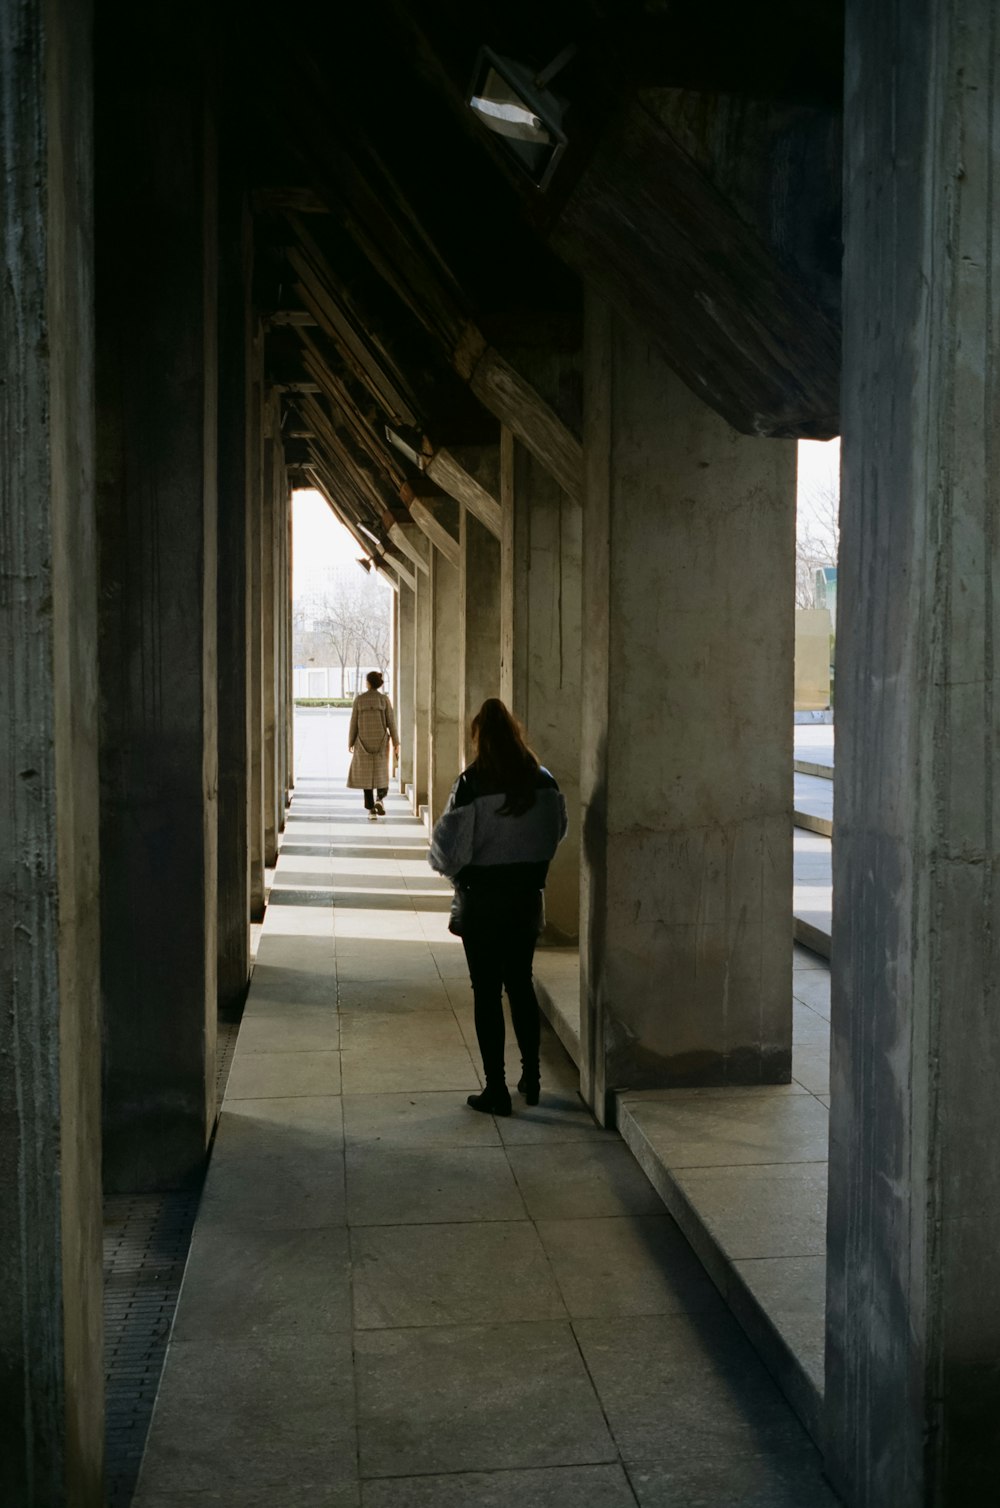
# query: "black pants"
383,791
499,933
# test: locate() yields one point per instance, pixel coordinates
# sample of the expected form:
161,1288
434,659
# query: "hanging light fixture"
516,104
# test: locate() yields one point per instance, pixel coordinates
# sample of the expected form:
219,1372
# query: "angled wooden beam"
368,438
379,491
399,535
451,476
377,215
423,516
329,300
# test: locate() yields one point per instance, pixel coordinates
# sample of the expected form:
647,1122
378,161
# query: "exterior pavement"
393,1302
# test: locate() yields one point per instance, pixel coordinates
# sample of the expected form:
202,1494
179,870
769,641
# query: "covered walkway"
393,1302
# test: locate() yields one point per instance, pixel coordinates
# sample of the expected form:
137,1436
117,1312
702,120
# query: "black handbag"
459,904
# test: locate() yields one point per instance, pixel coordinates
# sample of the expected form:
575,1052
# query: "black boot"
494,1100
529,1084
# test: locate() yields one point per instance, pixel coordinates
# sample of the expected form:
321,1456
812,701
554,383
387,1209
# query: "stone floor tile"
553,1487
432,1119
397,1185
294,1494
299,922
277,1163
385,1033
223,1417
780,1478
686,1380
393,995
809,1028
560,1115
474,1273
766,1211
475,1398
731,1131
282,1075
448,1068
579,1180
270,1282
293,1028
812,987
804,958
634,1265
811,1067
280,960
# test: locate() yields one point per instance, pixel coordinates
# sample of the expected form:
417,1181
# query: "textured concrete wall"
157,483
422,667
233,608
406,606
255,545
687,732
446,641
913,1382
541,635
479,611
51,1332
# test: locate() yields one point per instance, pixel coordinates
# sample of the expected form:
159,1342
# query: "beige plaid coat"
372,734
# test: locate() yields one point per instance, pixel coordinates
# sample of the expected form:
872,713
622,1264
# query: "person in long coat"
373,729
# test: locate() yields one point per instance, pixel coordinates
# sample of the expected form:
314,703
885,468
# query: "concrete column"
157,383
289,655
479,615
51,1327
406,604
422,675
255,538
541,634
446,656
913,1319
269,626
233,608
686,733
281,731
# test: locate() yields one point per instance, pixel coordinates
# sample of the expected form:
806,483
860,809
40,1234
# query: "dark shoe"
379,809
492,1101
528,1085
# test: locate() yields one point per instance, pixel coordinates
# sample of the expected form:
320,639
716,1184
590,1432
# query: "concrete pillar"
51,1326
913,1319
406,604
446,664
289,654
233,608
686,733
541,634
479,615
157,383
422,672
255,538
269,629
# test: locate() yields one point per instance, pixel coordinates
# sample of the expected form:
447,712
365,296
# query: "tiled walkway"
392,1302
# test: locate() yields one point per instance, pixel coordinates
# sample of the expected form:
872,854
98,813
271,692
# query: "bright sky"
819,471
320,540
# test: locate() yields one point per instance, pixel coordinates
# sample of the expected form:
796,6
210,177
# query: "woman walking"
373,727
504,820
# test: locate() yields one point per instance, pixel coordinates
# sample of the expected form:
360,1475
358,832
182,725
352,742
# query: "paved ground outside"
393,1302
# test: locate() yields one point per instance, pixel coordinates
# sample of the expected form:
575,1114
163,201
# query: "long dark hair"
503,760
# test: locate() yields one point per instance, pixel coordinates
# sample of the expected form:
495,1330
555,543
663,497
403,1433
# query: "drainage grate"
146,1239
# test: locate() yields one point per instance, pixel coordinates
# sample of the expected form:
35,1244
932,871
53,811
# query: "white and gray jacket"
476,847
